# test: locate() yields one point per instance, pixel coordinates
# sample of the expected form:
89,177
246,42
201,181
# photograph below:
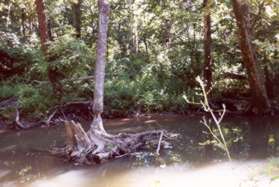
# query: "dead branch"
50,117
159,144
18,122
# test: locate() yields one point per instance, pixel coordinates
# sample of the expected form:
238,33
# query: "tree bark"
49,30
23,18
76,10
207,44
40,8
269,83
53,74
8,17
134,27
167,36
260,102
98,102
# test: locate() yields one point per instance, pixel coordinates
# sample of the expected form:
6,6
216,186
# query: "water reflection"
26,162
258,138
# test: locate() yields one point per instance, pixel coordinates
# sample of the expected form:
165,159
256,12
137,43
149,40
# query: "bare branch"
50,117
17,120
217,120
159,144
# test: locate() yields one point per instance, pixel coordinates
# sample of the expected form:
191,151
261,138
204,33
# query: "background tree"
76,8
208,61
259,95
40,8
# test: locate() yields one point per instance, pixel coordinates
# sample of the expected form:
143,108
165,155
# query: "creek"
195,160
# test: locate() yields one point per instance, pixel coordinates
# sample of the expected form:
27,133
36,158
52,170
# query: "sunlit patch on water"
225,174
150,121
4,172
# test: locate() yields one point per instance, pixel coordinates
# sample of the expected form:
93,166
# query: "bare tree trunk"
8,17
260,102
98,103
134,26
30,25
49,30
167,36
135,36
268,82
76,11
207,44
42,24
23,18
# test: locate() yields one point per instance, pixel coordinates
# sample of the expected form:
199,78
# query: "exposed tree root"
18,122
96,146
23,124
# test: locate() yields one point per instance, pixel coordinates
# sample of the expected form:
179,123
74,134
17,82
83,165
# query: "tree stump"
96,146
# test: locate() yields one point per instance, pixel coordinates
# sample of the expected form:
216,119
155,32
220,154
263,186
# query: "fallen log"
96,146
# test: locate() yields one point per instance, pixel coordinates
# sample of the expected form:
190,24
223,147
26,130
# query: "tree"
40,8
98,103
97,145
166,35
53,74
76,11
208,61
23,18
260,100
133,26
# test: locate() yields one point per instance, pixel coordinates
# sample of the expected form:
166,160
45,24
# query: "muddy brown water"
24,160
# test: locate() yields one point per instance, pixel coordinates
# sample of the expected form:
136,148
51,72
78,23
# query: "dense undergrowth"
155,52
135,83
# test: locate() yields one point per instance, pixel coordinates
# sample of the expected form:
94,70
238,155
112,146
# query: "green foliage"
31,99
34,100
136,85
8,91
70,56
28,61
170,52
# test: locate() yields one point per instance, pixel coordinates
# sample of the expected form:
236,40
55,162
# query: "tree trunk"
260,102
208,61
133,26
167,36
98,103
49,30
42,24
268,82
76,10
8,17
23,18
43,32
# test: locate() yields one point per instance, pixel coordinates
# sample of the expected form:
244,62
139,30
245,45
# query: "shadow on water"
25,160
